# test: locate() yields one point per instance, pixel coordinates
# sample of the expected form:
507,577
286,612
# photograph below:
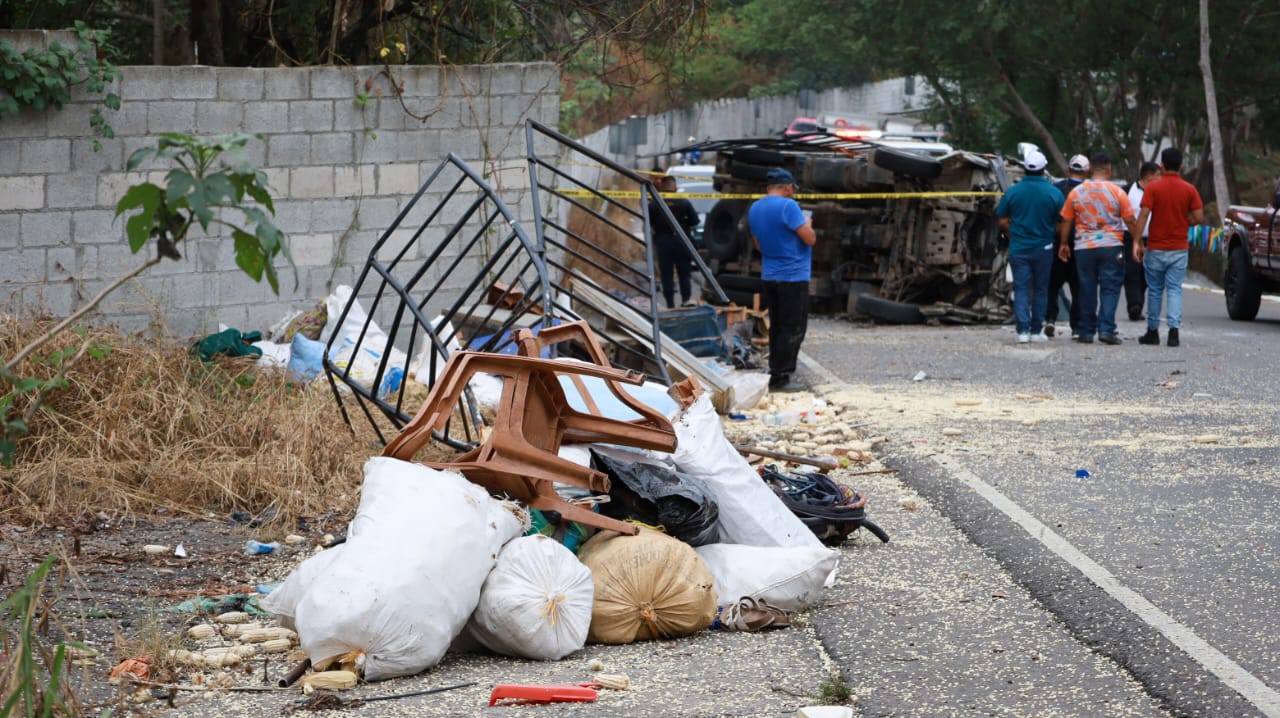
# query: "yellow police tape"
633,194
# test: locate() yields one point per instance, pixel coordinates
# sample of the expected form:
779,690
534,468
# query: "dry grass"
149,426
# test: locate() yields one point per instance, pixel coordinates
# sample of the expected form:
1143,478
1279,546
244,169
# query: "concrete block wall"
341,168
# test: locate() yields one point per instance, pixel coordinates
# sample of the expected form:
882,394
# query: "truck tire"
857,290
888,310
750,172
1242,291
722,236
758,156
908,163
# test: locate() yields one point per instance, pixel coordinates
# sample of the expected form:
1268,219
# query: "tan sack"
647,586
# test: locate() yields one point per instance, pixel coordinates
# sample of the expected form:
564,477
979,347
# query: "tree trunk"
158,31
1023,110
1220,191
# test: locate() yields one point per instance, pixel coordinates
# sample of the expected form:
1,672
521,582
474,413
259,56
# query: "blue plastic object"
698,329
1082,473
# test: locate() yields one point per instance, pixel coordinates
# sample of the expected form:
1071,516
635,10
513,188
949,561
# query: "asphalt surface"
1176,513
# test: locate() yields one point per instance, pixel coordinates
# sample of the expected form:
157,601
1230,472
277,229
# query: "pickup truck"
1252,243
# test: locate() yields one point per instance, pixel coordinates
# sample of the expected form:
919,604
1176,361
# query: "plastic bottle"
253,548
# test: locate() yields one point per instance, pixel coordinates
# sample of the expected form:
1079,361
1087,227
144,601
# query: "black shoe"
1173,338
1109,339
1151,338
1084,339
787,387
1048,330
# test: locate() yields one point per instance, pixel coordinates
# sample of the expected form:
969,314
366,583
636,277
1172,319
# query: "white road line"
1231,673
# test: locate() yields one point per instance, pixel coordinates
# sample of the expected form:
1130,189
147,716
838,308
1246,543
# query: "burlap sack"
647,586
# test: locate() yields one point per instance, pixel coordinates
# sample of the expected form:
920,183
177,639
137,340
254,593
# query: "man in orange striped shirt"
1100,212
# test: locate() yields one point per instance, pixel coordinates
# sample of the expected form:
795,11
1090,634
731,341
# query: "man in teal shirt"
1028,213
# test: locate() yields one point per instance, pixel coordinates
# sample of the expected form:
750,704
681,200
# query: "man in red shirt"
1173,205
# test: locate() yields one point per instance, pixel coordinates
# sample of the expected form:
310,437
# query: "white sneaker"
1024,338
1040,337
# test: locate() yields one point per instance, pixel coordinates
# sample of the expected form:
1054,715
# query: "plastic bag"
536,603
647,586
786,577
750,513
656,495
403,585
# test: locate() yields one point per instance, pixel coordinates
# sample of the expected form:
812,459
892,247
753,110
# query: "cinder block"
109,158
129,121
171,116
146,82
195,82
97,226
241,83
194,290
46,156
311,115
45,229
267,117
517,109
115,260
311,250
9,155
288,150
332,82
73,120
238,288
390,115
60,263
215,118
377,213
23,267
418,145
111,187
463,143
398,179
447,114
255,152
350,117
421,82
293,216
27,123
353,181
277,181
22,192
72,190
356,247
330,277
286,83
541,78
480,113
56,300
333,215
375,151
505,79
9,230
332,148
311,182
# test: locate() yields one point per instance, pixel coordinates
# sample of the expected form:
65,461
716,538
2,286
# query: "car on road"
1252,242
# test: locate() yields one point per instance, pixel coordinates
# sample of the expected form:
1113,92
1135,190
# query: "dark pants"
788,319
1135,281
1063,273
673,256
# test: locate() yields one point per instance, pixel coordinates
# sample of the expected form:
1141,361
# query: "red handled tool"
550,693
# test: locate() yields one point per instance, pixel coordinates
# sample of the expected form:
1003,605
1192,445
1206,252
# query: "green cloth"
230,342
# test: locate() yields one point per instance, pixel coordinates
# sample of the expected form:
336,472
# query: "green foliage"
33,678
212,181
834,691
42,79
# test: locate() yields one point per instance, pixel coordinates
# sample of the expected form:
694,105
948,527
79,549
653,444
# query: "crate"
698,329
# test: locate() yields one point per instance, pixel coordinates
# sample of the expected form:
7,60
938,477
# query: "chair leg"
573,512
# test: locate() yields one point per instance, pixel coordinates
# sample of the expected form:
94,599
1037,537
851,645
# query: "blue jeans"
1030,289
1165,269
1101,273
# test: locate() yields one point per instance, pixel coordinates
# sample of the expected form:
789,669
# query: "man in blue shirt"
1028,212
785,239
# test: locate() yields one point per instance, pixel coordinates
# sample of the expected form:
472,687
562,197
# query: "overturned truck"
906,229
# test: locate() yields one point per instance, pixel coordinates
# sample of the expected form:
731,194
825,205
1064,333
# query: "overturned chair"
518,455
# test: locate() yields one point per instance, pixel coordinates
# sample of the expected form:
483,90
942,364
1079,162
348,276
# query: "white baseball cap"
1079,163
1035,161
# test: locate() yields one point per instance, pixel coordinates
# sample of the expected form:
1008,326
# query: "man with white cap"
1064,272
785,239
1028,213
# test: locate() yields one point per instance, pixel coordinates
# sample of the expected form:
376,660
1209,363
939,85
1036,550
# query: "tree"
1221,193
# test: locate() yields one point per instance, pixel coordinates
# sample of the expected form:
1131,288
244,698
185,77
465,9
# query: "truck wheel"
721,235
1244,296
888,310
750,172
908,163
758,156
856,290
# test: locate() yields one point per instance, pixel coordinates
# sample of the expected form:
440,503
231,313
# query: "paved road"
1176,519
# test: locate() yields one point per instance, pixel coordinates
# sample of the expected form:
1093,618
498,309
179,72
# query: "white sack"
750,513
536,603
402,586
746,389
363,363
273,354
788,577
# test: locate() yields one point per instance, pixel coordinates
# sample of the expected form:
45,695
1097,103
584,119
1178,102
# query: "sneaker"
1151,338
1111,339
1039,337
1173,338
1049,330
1024,338
1084,338
750,614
